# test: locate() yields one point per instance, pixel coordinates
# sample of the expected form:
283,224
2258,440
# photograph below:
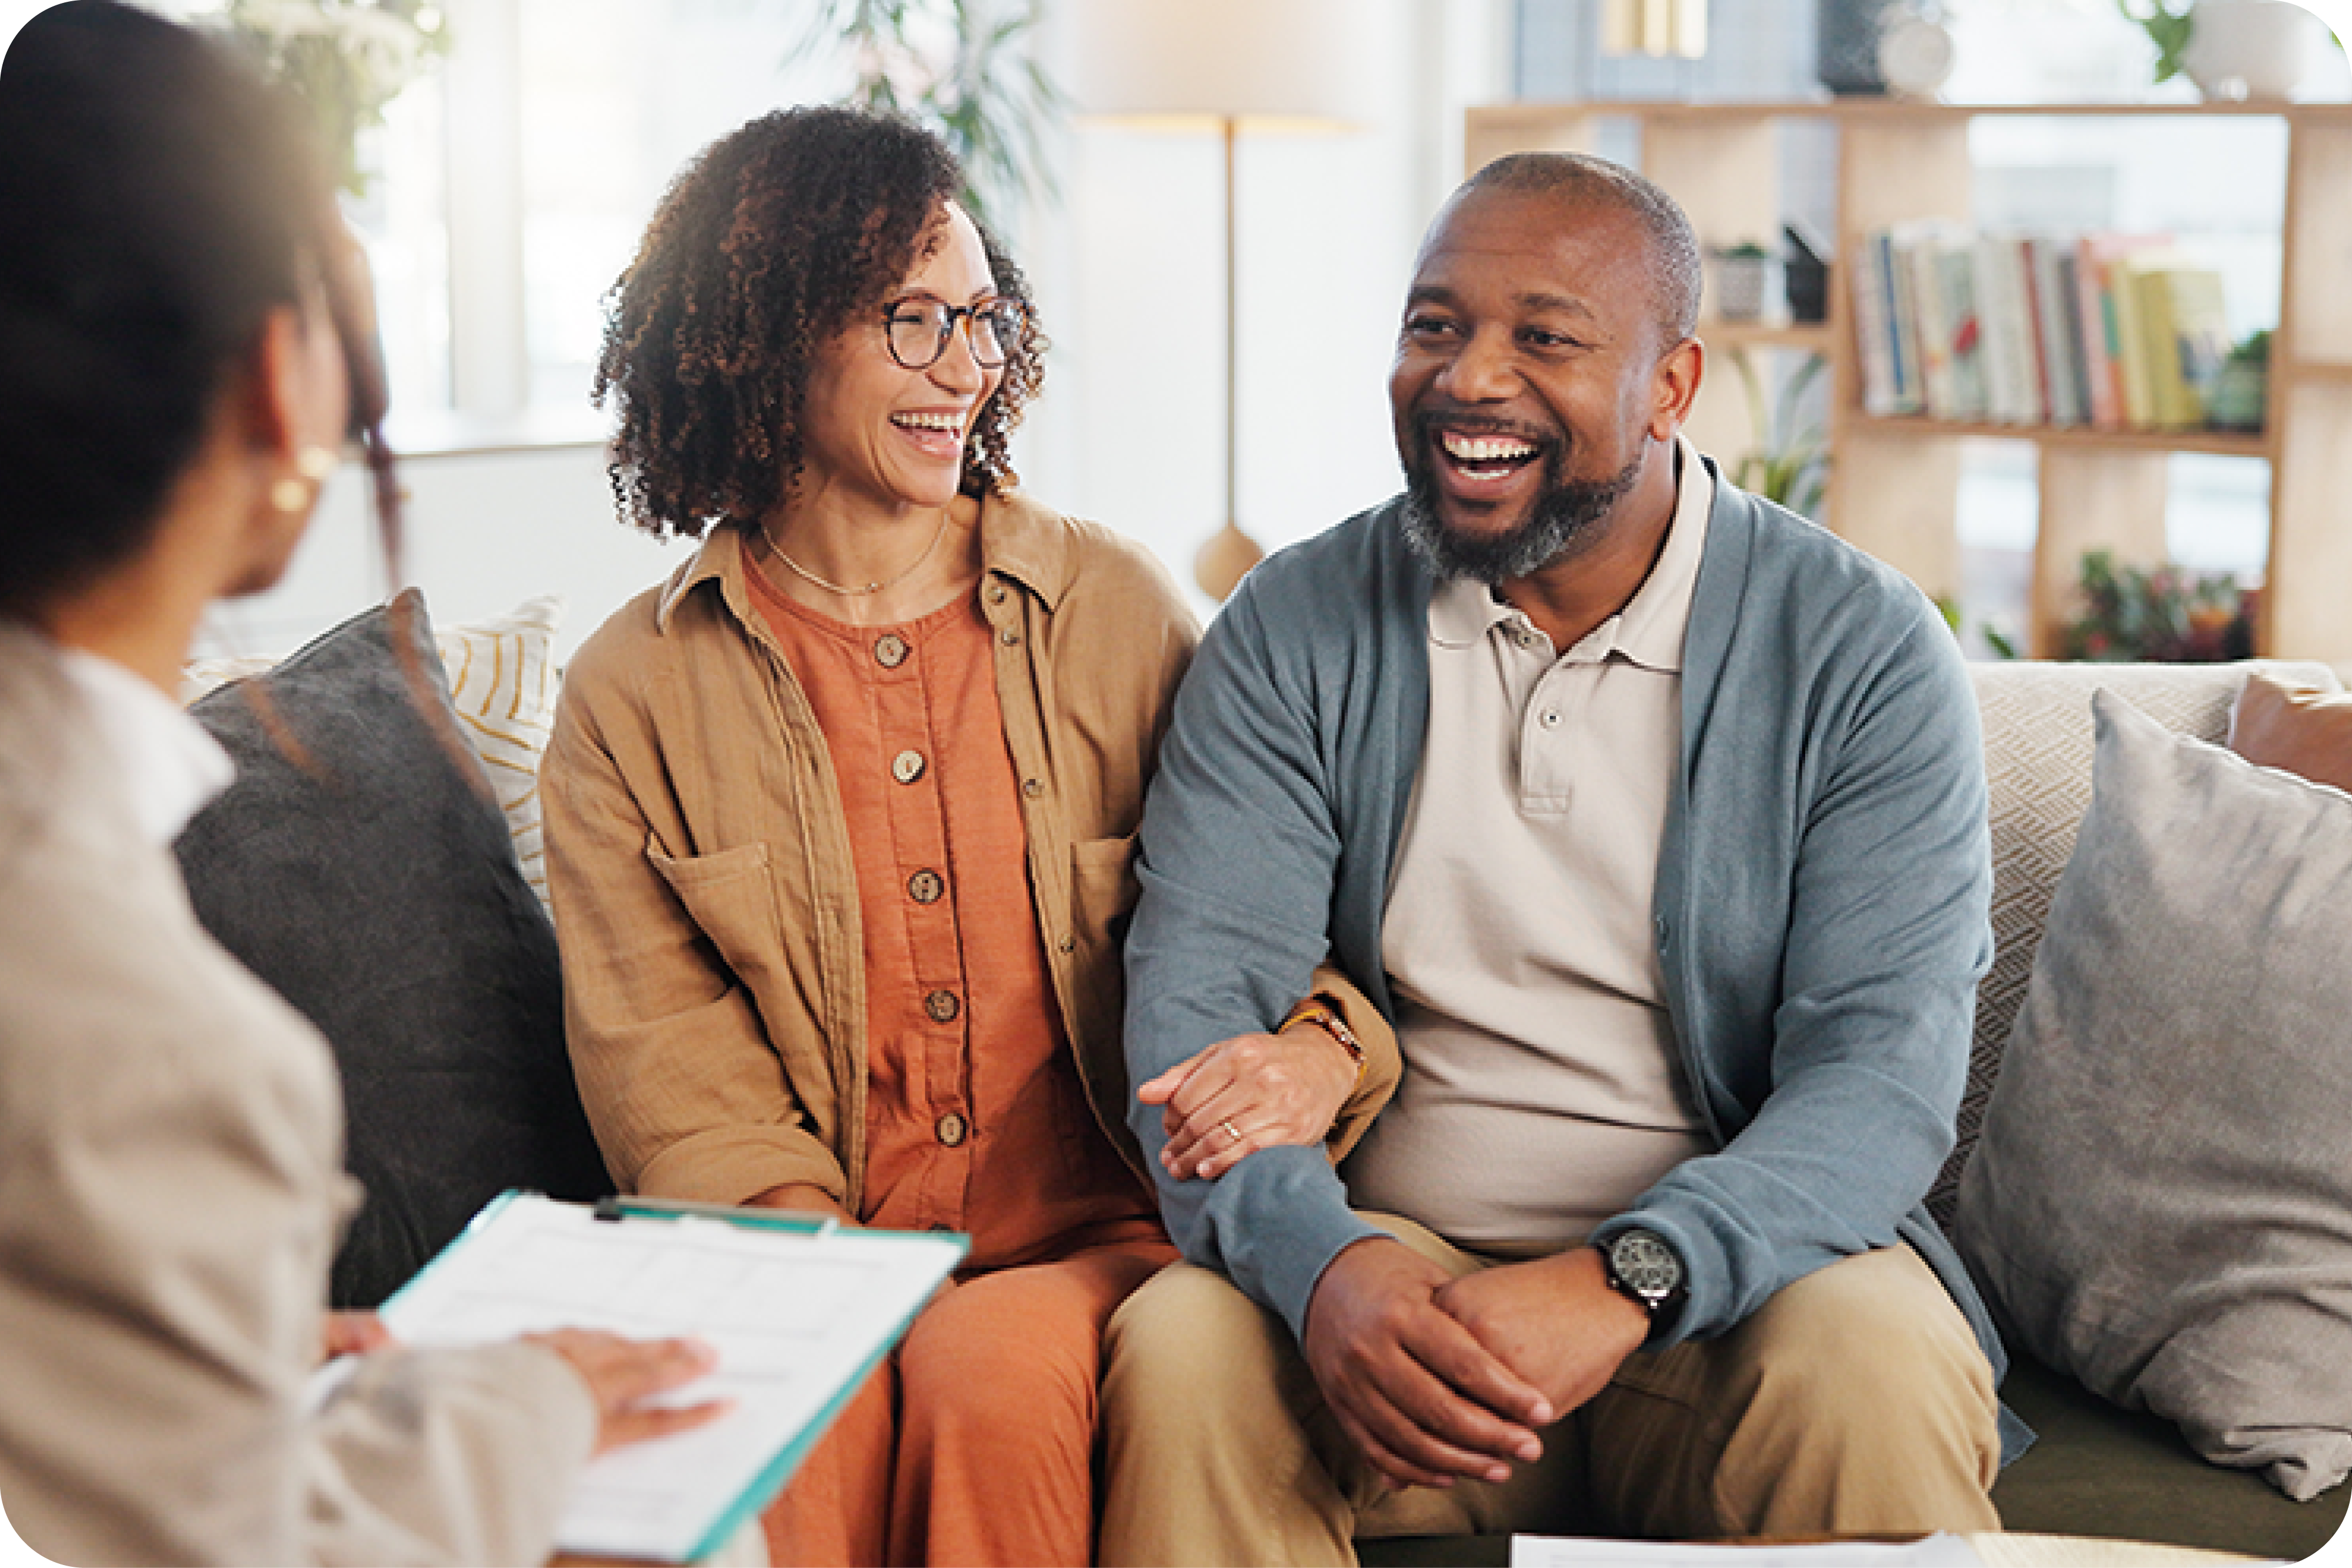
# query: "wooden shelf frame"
1894,483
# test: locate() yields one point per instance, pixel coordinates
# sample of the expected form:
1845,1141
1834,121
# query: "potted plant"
345,58
2167,23
2158,614
964,67
1791,462
1741,273
2241,395
2232,48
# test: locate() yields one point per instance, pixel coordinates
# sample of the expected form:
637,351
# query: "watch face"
1647,1265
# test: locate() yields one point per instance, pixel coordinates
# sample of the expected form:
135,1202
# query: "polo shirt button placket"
941,1006
926,886
907,766
951,1129
890,650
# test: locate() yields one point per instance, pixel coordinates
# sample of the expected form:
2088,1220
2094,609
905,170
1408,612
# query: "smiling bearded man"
1565,512
1653,818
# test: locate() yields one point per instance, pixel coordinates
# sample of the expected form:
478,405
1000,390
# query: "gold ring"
1230,1136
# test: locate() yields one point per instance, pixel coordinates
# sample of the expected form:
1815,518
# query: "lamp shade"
1246,59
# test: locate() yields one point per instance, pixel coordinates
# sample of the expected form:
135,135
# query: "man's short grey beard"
1563,514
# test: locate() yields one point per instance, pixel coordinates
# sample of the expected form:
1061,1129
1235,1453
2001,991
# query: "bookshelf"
1893,481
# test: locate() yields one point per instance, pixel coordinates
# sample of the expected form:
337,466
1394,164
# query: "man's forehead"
1545,239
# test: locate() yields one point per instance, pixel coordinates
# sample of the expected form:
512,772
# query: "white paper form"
1570,1551
797,1318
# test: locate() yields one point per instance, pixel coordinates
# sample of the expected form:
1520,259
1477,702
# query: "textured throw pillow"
359,866
2161,1199
2296,729
503,682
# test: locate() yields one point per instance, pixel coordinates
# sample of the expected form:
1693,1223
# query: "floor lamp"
1233,65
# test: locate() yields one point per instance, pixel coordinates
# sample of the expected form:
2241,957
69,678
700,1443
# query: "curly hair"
770,241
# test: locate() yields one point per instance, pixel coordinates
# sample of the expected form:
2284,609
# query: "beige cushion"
503,682
2161,1200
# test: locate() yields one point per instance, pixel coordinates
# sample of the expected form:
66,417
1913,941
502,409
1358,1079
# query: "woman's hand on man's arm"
1253,1092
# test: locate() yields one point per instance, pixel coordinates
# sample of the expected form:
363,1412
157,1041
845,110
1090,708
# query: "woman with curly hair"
840,816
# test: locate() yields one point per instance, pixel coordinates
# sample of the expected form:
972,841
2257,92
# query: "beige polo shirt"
1542,1088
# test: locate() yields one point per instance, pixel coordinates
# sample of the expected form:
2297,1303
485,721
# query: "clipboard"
799,1310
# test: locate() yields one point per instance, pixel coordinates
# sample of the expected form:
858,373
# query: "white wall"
1129,272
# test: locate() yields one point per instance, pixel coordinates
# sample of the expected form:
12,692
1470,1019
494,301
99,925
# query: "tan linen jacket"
706,898
171,1188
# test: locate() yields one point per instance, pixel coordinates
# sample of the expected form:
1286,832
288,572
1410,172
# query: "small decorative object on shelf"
1807,282
2240,399
1741,273
1845,46
1916,50
2130,614
345,58
2251,48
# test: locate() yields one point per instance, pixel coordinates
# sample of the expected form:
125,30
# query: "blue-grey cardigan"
1821,899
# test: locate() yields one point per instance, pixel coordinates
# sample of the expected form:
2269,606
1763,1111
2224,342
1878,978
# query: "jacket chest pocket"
730,898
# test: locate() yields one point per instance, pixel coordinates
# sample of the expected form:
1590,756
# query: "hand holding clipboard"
797,1310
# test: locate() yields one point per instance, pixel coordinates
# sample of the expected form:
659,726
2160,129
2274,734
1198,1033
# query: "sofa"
304,875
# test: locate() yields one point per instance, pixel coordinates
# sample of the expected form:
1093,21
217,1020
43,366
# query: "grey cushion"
2161,1198
2037,735
360,866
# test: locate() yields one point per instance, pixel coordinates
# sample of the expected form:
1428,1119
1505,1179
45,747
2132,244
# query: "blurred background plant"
346,58
2168,26
1790,461
2160,614
967,69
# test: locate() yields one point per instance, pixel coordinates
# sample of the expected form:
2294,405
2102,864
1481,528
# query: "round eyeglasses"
918,330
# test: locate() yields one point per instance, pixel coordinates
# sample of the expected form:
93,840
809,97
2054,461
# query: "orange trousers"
974,1442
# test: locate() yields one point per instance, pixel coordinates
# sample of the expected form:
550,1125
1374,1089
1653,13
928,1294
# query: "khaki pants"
1855,1401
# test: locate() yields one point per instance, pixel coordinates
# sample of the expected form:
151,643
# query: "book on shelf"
2187,332
2107,330
2012,372
2106,320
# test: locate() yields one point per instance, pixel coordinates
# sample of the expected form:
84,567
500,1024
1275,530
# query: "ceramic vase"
2251,49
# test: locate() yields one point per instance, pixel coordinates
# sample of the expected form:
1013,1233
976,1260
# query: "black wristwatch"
1644,1269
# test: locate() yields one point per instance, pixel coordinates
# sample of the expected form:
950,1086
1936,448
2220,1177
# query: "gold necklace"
802,573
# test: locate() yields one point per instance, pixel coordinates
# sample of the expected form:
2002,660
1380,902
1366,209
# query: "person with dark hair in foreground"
1654,818
185,342
839,818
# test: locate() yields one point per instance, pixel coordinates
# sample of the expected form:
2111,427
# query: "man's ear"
1673,386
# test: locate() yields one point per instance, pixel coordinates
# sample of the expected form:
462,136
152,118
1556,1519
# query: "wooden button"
1008,636
951,1129
924,887
1068,943
996,593
890,650
1033,788
907,767
942,1006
